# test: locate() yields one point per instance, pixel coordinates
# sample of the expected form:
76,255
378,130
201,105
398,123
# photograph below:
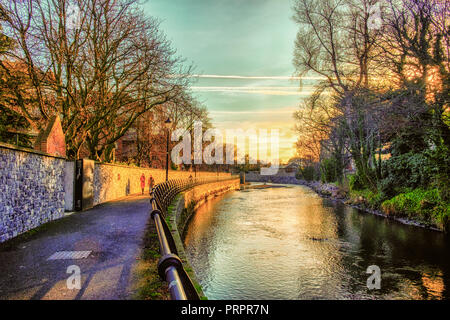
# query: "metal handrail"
170,266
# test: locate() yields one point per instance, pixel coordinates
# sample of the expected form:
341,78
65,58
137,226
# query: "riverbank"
238,244
355,199
359,202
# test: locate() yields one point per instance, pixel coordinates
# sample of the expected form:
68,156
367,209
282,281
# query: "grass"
366,197
424,205
170,209
149,284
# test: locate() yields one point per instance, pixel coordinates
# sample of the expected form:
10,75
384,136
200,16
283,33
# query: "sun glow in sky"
242,51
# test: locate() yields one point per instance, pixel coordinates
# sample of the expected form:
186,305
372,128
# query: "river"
289,243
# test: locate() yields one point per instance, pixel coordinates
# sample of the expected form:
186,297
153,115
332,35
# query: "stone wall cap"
28,150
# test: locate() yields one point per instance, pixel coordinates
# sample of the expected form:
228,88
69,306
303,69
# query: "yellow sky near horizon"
242,52
267,120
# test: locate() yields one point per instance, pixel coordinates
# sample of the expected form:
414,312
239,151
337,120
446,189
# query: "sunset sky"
242,51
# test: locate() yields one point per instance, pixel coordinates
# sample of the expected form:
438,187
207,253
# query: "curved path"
112,232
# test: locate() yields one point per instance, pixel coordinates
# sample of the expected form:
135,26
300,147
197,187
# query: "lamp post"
167,123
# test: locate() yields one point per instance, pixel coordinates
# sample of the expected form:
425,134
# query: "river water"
289,243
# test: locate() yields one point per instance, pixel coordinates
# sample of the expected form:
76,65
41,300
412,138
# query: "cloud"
289,111
217,76
255,90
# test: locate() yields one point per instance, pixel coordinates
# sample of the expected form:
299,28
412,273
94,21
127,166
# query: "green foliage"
328,170
406,171
425,205
369,198
355,182
440,158
307,173
414,138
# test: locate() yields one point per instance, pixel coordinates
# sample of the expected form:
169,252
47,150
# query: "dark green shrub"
328,169
306,173
173,166
440,157
387,187
406,171
371,199
355,182
420,204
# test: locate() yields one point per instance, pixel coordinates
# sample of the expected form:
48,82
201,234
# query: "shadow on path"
112,231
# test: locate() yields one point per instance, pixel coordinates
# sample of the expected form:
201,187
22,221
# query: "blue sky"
242,50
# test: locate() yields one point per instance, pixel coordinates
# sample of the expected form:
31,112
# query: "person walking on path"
143,183
151,183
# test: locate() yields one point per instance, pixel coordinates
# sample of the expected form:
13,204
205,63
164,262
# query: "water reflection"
288,243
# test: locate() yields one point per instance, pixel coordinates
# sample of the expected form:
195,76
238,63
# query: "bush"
328,169
388,188
355,182
371,199
406,171
440,157
419,204
10,121
307,173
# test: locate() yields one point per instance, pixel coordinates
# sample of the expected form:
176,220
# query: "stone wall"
31,190
36,187
116,181
203,192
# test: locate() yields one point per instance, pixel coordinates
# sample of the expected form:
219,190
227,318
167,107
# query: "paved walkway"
112,231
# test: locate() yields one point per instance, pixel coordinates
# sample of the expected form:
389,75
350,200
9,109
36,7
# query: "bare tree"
100,73
336,42
416,46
